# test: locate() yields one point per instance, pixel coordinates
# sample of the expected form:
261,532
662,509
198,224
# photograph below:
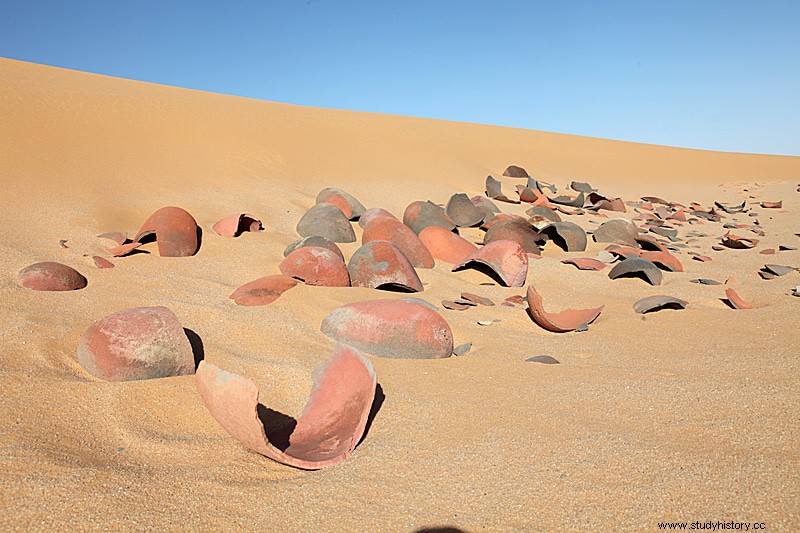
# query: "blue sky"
719,75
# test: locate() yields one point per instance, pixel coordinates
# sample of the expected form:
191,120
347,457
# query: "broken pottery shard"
484,203
585,263
731,209
768,251
343,200
580,186
175,230
480,300
705,281
506,259
566,320
444,245
663,259
494,191
637,267
462,349
397,233
664,231
420,215
568,200
314,240
786,247
513,171
735,300
568,236
124,249
51,276
540,213
772,205
701,258
617,230
326,220
236,224
370,214
544,359
463,212
779,270
740,243
515,230
658,302
654,200
391,328
327,430
314,265
101,262
116,236
138,343
455,306
515,300
263,291
381,265
599,201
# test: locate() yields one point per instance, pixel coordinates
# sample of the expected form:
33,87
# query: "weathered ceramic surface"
342,199
370,214
391,328
518,231
444,245
736,300
314,265
101,262
513,171
314,240
495,192
617,230
135,344
381,265
563,321
734,241
463,212
175,229
326,220
397,233
236,224
51,276
327,430
567,235
505,258
658,302
263,291
124,249
420,215
636,266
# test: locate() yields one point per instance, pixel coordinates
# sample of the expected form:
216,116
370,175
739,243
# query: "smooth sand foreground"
678,415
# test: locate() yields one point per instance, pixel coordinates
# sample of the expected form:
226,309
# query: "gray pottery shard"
494,191
637,267
513,171
617,230
420,215
463,212
657,303
569,236
326,220
344,200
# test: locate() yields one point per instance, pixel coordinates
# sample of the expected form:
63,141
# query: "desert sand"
676,415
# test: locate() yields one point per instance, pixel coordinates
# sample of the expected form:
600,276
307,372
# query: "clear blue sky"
720,75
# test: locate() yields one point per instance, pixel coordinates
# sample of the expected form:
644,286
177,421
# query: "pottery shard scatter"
349,206
135,344
326,220
506,259
51,276
463,212
327,430
658,302
381,265
444,245
391,328
263,291
236,224
397,233
637,267
175,230
315,265
420,215
561,322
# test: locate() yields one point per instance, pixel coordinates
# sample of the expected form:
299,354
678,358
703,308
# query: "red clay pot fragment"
480,300
314,265
101,262
327,430
370,214
566,320
506,259
463,212
51,276
381,265
138,343
585,263
351,207
772,205
175,229
314,240
397,233
420,215
445,245
124,249
734,241
263,291
235,225
326,220
515,230
617,230
391,328
735,300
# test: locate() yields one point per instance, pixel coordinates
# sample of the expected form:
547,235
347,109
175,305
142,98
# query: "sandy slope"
689,415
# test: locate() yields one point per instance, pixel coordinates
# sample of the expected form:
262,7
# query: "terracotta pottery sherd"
345,201
735,301
772,205
768,251
326,220
391,328
462,349
327,430
518,231
542,185
506,259
263,291
135,344
584,263
637,267
495,192
599,201
480,300
314,240
397,233
51,276
566,320
236,224
701,258
463,212
617,230
175,231
314,265
455,306
513,171
657,303
370,214
568,236
736,242
663,259
485,204
444,245
420,215
654,200
124,249
705,281
101,262
381,265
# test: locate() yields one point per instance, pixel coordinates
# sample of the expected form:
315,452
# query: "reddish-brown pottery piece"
345,201
116,236
51,276
397,233
370,214
327,430
735,300
772,205
314,265
617,230
444,245
495,192
314,240
516,230
235,225
381,265
263,291
100,262
563,321
506,259
175,230
734,241
568,236
124,249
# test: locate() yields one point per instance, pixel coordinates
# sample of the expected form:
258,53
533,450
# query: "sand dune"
677,415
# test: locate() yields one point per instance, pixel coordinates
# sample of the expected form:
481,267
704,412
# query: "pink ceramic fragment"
235,225
702,258
138,343
175,229
263,291
768,251
381,265
772,205
736,300
445,245
51,276
101,262
327,430
734,241
391,328
505,258
566,320
314,265
124,249
397,233
585,263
